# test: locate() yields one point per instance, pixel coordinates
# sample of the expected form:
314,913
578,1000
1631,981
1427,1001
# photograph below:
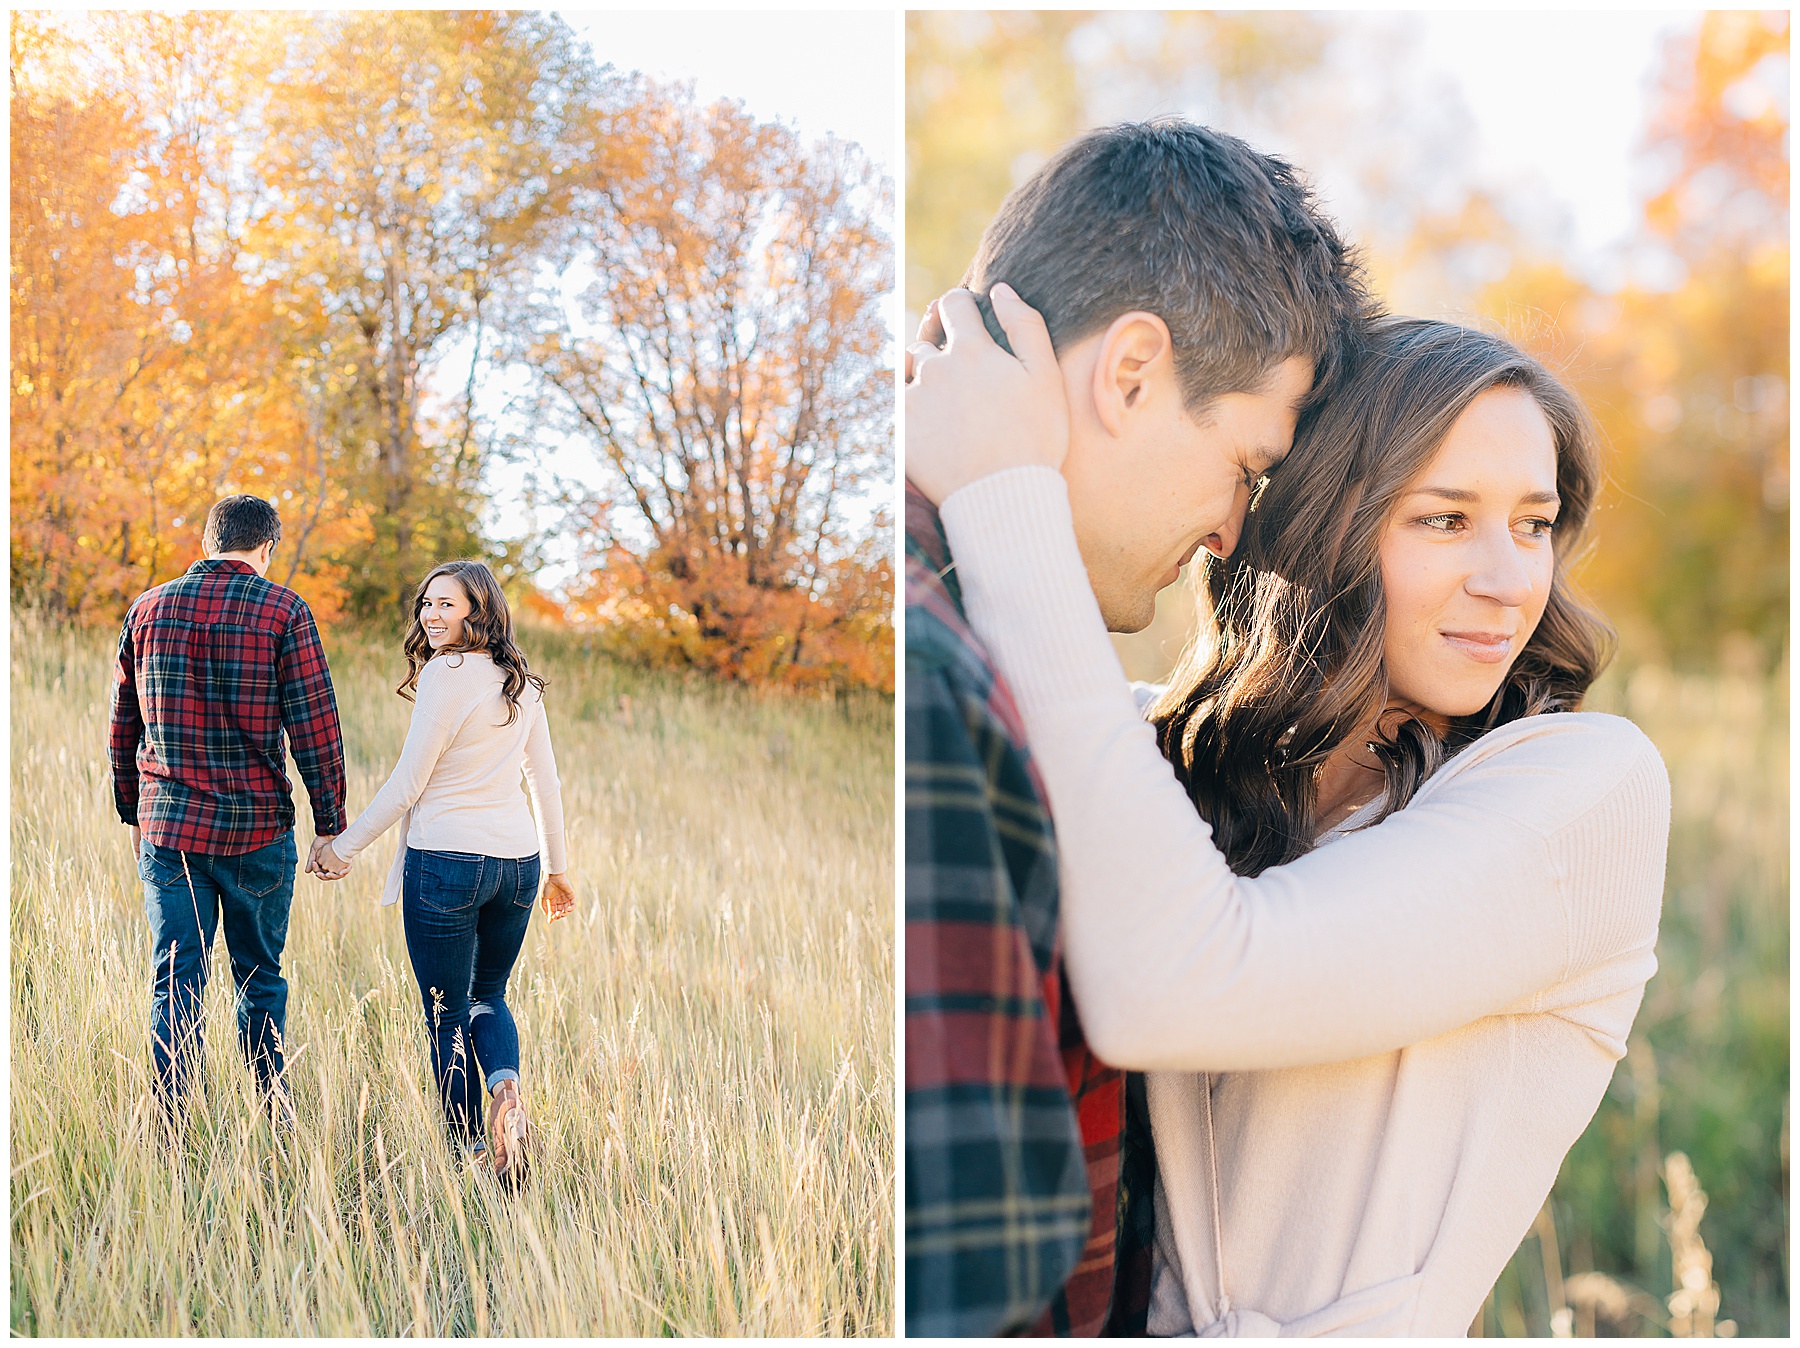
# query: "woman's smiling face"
1467,560
442,611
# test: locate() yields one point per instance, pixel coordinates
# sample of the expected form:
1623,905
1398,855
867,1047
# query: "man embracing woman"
1271,1007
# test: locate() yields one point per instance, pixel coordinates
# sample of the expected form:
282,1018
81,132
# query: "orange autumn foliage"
245,248
729,370
148,377
717,621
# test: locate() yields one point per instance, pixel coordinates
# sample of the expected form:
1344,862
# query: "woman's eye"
1443,523
1539,528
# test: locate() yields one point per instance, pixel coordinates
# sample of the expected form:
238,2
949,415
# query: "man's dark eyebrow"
1463,494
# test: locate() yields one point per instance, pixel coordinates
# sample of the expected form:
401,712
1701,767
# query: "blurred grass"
1707,1070
707,1043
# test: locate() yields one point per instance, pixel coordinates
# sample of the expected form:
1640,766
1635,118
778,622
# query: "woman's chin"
1445,703
1447,709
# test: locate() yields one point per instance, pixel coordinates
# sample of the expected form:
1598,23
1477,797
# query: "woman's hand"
559,897
325,863
972,410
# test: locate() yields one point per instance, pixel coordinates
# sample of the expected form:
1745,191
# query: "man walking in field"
213,667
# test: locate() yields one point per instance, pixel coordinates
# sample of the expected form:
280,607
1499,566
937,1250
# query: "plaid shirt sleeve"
998,1202
126,729
309,714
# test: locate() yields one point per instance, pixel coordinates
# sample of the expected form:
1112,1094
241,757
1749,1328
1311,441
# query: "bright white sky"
820,70
1564,96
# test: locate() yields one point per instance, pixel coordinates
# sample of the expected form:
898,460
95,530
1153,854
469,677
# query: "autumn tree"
414,160
727,365
147,376
1708,361
1688,374
1686,366
286,253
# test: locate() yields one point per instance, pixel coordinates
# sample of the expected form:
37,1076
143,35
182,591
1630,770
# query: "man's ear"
1136,364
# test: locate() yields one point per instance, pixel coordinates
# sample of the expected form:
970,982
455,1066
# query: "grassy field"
1707,1070
707,1044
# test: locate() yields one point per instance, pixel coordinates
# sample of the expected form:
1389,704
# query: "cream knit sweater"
457,784
1414,1022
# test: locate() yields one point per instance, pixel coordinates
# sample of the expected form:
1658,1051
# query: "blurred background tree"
296,255
1681,353
1689,375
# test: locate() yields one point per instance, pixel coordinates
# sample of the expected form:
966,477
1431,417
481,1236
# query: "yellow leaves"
717,317
1723,120
237,261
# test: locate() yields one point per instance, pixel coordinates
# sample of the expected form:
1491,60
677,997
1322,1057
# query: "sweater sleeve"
126,728
1462,905
437,715
546,790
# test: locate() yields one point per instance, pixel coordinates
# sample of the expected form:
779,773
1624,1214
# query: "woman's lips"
1489,648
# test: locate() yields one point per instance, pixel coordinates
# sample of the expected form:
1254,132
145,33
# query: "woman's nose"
1502,573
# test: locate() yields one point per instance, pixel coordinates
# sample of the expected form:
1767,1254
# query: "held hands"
559,897
324,863
972,410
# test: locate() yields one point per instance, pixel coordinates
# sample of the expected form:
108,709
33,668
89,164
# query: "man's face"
1147,499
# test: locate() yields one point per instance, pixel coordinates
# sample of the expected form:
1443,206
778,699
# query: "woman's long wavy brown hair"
489,627
1288,666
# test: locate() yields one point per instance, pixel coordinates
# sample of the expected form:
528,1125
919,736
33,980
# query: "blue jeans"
186,894
465,919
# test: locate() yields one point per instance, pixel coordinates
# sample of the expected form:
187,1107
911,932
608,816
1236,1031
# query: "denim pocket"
450,882
526,893
262,872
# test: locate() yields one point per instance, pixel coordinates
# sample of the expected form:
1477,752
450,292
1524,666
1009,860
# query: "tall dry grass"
1687,1159
707,1044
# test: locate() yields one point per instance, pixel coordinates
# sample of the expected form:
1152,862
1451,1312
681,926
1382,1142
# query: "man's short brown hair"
1224,244
240,524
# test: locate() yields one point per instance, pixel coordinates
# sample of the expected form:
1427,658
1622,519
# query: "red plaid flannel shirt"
1011,1119
213,666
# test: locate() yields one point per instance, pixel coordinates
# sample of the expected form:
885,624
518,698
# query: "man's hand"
324,863
972,410
559,897
137,841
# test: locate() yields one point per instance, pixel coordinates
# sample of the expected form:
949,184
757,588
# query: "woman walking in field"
468,869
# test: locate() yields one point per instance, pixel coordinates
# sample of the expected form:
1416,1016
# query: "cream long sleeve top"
1365,1066
457,784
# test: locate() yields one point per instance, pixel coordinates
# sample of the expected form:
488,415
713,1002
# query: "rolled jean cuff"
499,1074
